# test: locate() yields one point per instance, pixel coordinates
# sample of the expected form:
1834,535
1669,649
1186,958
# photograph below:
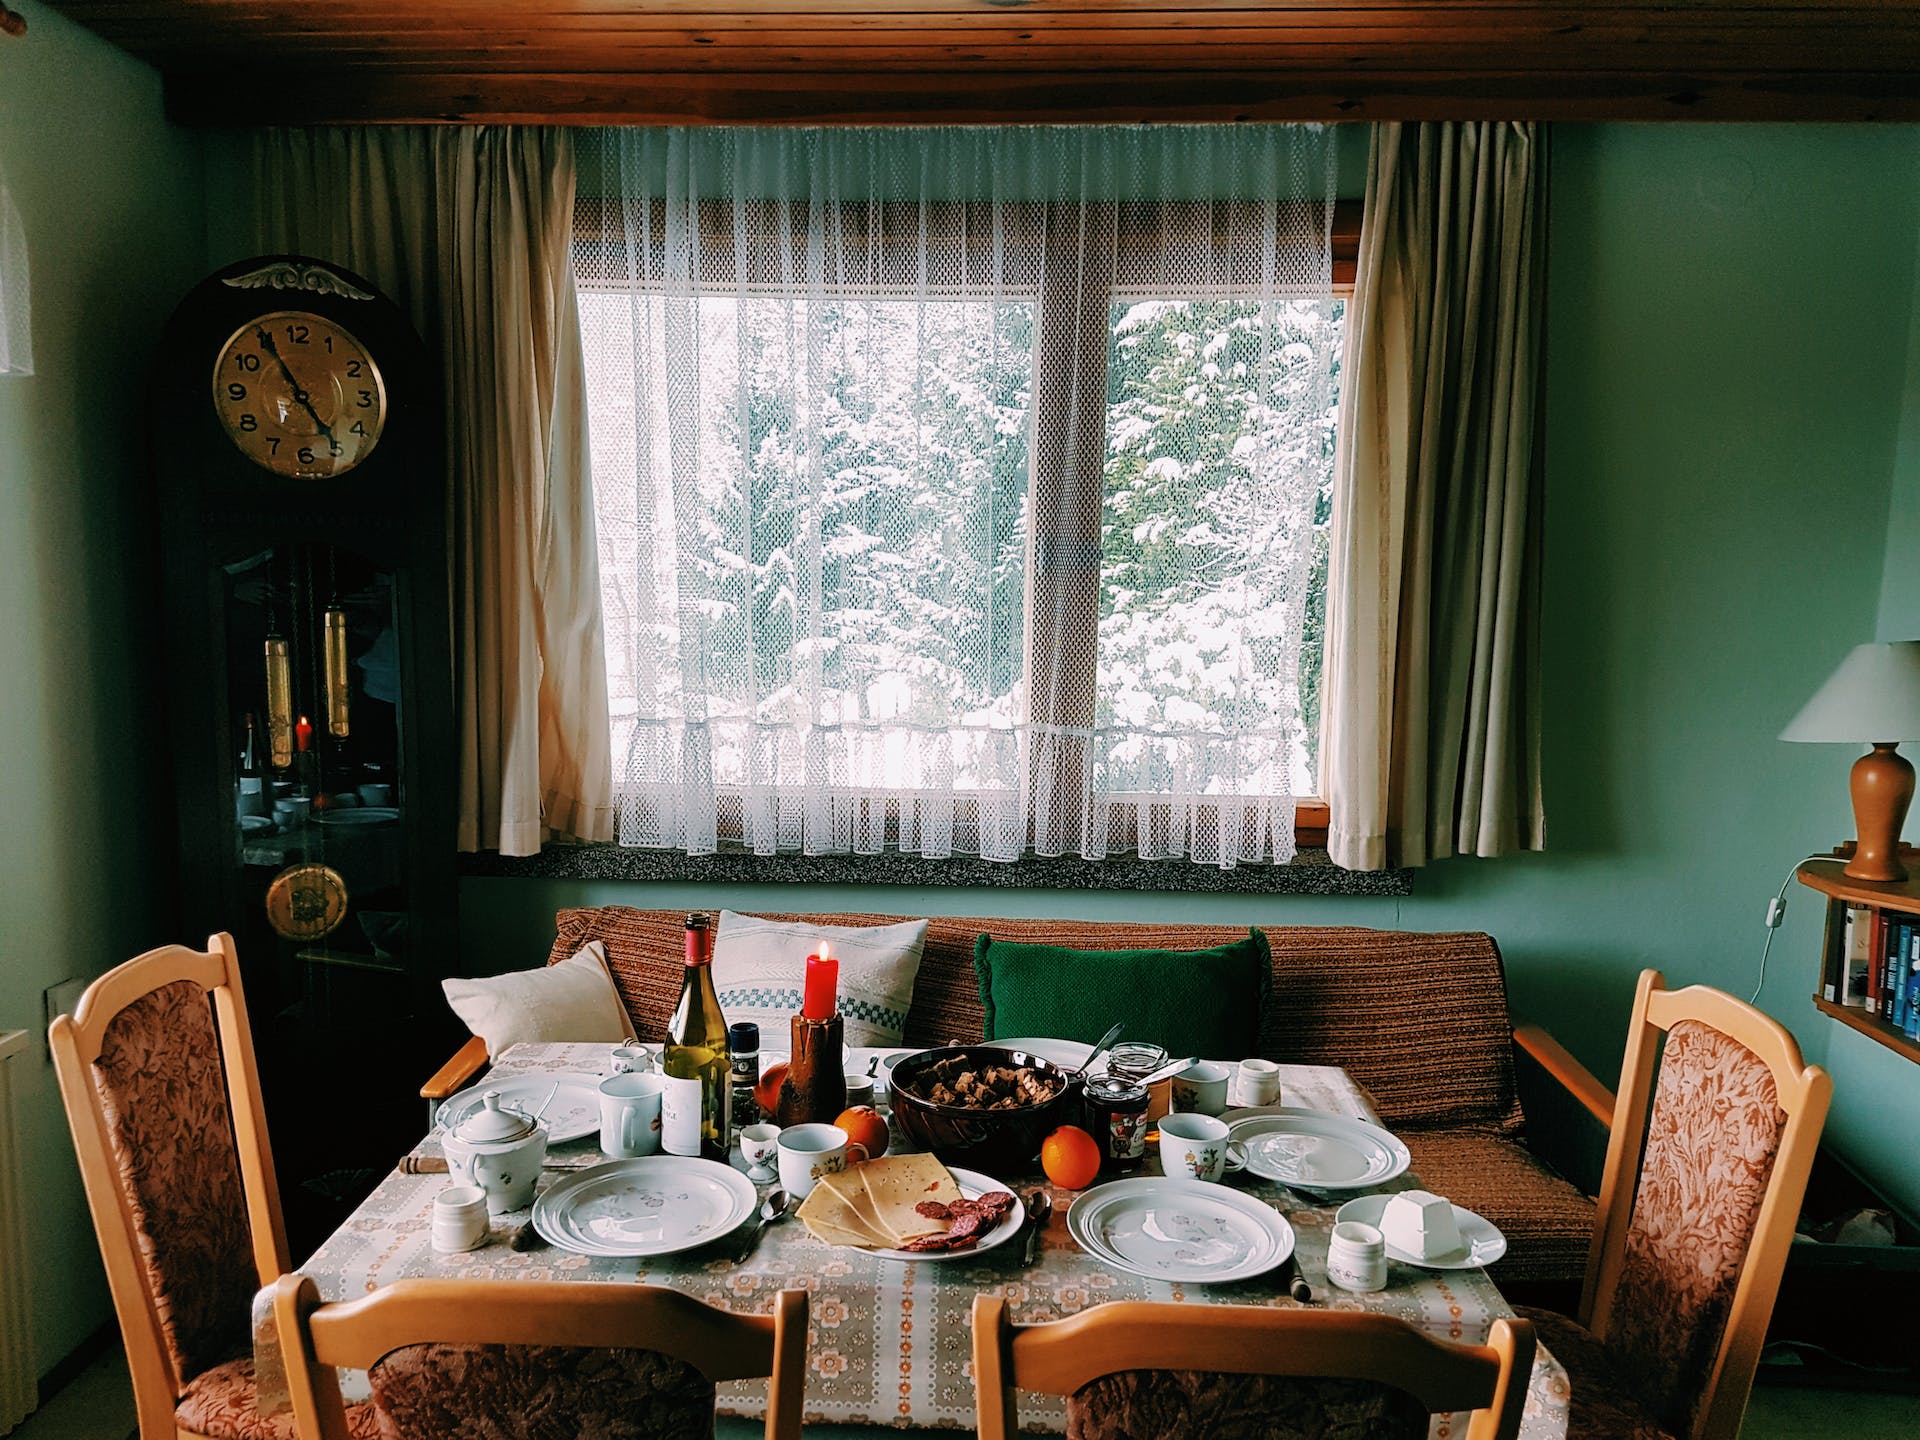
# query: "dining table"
889,1340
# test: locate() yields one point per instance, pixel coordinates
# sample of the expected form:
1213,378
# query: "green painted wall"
110,199
1728,343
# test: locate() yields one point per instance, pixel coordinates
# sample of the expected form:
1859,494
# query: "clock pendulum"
336,657
308,900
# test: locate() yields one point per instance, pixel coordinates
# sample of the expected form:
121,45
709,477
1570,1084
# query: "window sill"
1311,872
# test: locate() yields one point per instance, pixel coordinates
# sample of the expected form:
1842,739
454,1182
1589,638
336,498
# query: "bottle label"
680,1107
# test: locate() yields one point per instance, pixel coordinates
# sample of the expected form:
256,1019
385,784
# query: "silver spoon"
774,1209
1039,1211
1101,1049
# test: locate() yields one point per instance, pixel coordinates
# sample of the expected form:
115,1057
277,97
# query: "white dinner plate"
1312,1150
572,1114
972,1185
1483,1242
653,1206
1067,1054
1189,1231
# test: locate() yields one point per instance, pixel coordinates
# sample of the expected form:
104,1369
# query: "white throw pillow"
759,967
570,1001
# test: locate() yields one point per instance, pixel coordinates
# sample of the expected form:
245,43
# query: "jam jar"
1117,1116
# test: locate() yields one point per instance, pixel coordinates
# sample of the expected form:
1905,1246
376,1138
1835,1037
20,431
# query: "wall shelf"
1898,898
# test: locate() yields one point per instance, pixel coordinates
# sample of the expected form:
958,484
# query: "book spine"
1833,958
1911,1024
1853,968
1893,963
1876,948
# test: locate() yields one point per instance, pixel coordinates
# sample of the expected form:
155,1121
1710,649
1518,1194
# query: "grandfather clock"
297,445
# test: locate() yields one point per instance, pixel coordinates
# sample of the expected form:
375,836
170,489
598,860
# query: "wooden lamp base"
1882,787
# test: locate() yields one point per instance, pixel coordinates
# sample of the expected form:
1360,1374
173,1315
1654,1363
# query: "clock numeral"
366,399
334,447
273,444
328,342
246,362
357,428
298,334
305,455
247,422
353,369
236,391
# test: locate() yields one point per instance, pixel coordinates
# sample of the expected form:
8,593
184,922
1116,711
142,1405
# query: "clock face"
299,395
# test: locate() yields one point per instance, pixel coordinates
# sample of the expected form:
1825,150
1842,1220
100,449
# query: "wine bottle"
253,786
696,1062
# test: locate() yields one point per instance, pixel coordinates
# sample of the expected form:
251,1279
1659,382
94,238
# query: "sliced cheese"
896,1183
832,1217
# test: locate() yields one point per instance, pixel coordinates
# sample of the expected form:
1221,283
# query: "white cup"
632,1059
859,1090
1201,1088
808,1152
1357,1257
630,1115
1195,1147
460,1219
759,1144
1259,1082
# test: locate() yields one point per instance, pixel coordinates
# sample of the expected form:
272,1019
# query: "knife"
1039,1211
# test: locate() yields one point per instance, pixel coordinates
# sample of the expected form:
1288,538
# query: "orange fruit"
865,1126
1070,1157
766,1089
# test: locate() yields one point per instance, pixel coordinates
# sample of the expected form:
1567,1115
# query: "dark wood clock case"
342,1020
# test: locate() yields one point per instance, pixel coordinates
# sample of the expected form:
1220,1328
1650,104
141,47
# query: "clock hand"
299,394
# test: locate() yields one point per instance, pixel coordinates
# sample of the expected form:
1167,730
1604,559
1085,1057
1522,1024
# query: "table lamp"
1872,699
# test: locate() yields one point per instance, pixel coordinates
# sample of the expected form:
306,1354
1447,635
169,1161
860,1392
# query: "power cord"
1776,912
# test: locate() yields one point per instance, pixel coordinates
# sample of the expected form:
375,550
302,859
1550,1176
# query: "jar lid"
493,1124
1115,1087
743,1036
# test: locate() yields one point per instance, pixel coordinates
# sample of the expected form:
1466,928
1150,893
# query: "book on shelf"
1893,970
1856,965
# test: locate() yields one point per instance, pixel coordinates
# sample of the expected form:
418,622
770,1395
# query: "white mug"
859,1090
808,1152
1201,1087
632,1059
630,1115
1259,1082
1195,1147
1357,1257
460,1219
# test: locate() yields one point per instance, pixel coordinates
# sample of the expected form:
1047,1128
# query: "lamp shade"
1873,696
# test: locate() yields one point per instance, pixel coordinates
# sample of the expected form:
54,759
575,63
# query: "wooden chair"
157,1073
627,1361
1714,1132
1167,1367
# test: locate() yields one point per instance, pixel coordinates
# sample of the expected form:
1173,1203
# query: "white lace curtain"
957,490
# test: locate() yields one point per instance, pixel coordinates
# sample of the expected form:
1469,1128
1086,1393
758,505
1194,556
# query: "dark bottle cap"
743,1036
699,922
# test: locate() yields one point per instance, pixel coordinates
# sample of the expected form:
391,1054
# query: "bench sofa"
1419,1020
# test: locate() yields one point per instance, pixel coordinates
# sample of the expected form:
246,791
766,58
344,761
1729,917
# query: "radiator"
19,1383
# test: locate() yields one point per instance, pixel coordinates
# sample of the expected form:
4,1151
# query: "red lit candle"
823,985
303,734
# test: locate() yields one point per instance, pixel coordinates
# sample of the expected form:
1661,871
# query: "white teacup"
1201,1088
630,1115
859,1090
1195,1147
759,1144
1259,1082
632,1059
808,1152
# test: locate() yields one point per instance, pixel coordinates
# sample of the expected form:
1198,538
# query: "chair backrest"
157,1074
1179,1369
629,1362
1705,1173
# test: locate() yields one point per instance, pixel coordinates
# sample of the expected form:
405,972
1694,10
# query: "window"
942,526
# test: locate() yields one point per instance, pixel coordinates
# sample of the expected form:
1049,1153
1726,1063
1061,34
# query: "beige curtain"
470,228
1432,730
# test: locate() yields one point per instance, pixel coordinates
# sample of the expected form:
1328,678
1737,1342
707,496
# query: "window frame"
1062,576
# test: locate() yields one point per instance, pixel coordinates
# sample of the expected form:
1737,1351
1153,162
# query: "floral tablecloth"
889,1342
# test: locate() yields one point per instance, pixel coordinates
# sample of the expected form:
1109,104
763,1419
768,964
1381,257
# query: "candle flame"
826,949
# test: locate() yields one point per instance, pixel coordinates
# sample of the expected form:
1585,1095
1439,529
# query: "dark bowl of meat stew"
982,1106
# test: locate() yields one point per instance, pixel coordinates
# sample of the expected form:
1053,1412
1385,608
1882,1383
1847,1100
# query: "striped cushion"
1419,1020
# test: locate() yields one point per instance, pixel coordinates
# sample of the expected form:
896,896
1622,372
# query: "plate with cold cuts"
1187,1231
658,1205
1312,1150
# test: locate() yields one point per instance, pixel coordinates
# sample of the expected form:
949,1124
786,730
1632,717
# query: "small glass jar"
1117,1115
1135,1059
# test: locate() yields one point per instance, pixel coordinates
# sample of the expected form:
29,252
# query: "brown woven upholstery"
1600,1403
220,1404
164,1092
1180,1404
1341,996
1547,1222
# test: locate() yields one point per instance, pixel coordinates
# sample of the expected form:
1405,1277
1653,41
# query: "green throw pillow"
1194,1002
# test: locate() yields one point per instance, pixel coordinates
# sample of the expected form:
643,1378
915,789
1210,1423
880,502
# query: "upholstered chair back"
1178,1404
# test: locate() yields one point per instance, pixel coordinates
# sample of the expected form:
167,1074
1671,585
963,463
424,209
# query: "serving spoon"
774,1209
